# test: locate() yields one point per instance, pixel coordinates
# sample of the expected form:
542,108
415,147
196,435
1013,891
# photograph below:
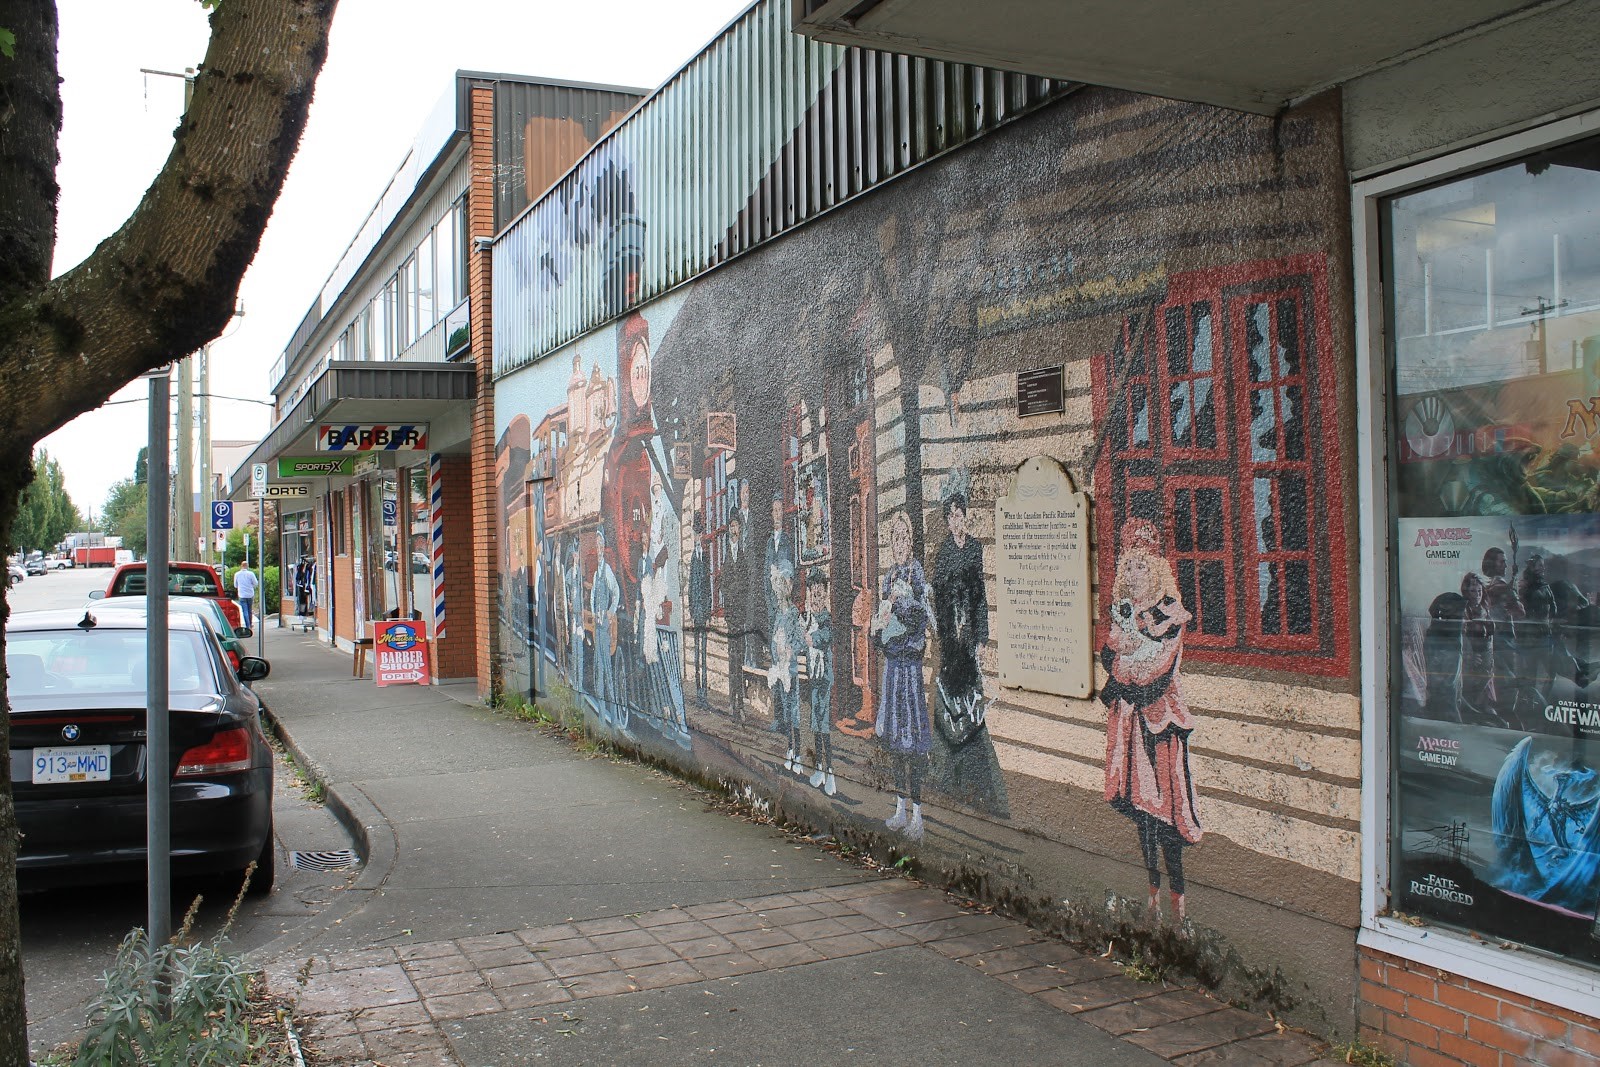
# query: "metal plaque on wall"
1040,392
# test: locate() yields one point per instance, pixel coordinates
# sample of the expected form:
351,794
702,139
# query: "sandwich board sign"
400,653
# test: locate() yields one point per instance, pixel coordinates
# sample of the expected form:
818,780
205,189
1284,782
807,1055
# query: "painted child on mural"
964,765
787,643
818,623
900,625
1147,722
639,493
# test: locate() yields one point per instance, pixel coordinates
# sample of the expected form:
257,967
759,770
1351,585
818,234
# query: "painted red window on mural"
1201,547
1268,330
1218,406
1130,427
717,491
1189,386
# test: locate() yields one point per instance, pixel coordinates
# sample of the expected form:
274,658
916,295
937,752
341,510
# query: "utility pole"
205,449
182,545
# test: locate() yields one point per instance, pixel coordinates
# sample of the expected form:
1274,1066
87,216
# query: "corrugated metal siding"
760,132
536,122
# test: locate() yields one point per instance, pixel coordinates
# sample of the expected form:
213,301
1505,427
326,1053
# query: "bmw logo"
70,732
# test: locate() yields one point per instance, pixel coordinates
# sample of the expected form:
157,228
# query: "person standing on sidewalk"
244,587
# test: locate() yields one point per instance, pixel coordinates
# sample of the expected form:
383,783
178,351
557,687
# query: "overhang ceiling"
1246,54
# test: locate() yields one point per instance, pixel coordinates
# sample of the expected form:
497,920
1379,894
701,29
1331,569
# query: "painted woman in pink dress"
1147,722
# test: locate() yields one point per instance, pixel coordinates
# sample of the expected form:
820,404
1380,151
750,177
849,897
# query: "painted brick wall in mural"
759,528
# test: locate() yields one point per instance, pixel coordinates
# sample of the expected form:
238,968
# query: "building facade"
381,395
1325,351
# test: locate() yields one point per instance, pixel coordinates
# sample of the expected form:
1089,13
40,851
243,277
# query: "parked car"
15,573
183,579
35,566
77,691
232,640
59,563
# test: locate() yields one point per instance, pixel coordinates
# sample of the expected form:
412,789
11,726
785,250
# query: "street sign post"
222,515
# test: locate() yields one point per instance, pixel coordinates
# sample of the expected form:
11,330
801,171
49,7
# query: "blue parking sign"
391,512
222,515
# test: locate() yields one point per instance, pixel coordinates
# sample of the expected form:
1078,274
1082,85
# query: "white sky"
389,62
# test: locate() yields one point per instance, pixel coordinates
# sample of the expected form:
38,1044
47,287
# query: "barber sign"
368,437
400,653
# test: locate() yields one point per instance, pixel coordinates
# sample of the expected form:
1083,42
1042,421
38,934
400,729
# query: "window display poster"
1499,832
1500,622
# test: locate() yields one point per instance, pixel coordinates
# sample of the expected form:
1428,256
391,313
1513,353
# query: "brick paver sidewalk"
390,1006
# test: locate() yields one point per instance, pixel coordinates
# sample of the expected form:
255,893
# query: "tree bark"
154,291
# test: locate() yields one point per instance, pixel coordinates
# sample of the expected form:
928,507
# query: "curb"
361,819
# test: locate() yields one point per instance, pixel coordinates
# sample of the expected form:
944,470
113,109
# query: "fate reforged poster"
1500,833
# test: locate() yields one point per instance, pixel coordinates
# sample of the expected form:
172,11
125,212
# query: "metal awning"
1245,54
356,392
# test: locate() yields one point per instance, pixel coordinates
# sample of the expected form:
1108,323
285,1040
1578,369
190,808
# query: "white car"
58,563
15,573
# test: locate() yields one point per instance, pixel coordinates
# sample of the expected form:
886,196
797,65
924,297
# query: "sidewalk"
522,902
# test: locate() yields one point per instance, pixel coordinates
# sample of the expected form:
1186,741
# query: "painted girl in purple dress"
901,627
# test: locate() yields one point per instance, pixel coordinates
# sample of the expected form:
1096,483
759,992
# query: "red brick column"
1426,1017
457,655
485,512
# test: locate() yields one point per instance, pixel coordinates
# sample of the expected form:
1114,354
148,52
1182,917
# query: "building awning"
1243,54
352,392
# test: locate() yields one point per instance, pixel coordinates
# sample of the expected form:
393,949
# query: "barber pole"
436,520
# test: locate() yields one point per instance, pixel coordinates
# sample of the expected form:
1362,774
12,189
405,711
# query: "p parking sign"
222,515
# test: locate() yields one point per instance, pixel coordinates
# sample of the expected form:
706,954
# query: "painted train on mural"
752,522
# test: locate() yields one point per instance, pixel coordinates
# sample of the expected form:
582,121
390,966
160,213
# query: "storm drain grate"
337,860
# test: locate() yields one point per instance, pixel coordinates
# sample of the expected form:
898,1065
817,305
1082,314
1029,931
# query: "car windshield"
189,605
184,582
53,662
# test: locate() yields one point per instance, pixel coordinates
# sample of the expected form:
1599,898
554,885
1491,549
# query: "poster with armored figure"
1501,621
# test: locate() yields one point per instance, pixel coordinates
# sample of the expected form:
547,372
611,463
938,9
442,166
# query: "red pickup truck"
183,579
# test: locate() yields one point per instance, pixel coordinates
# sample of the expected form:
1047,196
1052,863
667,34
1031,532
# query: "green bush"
173,1004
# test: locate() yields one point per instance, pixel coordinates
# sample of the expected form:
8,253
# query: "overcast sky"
389,62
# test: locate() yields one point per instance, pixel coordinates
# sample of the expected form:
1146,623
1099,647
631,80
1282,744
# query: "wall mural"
767,534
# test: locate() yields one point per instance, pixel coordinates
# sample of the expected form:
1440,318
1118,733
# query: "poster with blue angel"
1500,833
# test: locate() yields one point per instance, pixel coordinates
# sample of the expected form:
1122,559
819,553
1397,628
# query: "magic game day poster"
1498,746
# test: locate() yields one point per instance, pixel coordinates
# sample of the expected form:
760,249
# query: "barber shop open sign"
400,653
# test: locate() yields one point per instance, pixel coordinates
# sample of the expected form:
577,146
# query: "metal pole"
158,765
261,577
207,490
183,546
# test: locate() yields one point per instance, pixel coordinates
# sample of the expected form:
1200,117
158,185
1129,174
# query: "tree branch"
166,282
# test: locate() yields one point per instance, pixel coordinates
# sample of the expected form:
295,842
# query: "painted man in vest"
605,598
700,606
734,592
780,553
575,606
818,625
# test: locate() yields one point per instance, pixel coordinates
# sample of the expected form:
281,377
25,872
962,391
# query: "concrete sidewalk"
523,902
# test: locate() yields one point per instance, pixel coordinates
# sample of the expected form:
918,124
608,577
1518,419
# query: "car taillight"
228,750
233,658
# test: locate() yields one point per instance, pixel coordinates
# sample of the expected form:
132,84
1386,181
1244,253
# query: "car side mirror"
97,594
245,631
253,669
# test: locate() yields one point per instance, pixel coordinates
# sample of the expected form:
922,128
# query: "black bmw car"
78,759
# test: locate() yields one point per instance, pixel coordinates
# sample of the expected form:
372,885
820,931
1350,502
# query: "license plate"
80,763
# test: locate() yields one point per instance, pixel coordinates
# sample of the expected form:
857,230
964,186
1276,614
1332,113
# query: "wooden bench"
358,666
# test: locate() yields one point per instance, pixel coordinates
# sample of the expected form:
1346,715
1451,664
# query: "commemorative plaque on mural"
1040,392
1042,575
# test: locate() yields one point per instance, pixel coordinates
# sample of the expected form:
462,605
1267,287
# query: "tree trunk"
13,1006
154,291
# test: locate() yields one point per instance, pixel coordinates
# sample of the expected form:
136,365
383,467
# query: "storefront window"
1493,283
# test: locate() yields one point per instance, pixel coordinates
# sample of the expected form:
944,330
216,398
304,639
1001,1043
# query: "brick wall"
344,591
456,655
1426,1017
480,217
